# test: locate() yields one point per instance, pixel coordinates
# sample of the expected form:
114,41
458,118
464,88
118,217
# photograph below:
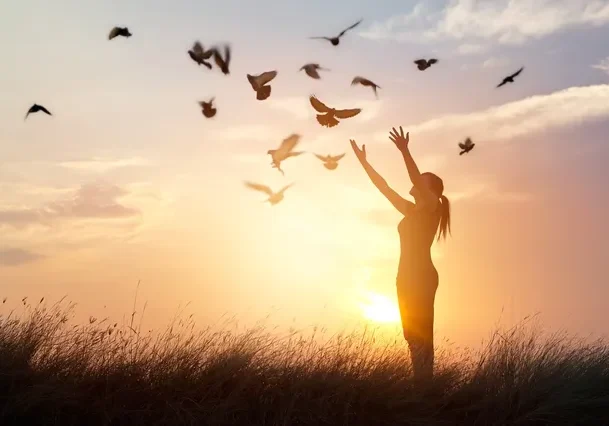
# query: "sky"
128,182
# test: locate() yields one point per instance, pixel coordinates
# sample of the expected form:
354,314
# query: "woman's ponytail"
444,217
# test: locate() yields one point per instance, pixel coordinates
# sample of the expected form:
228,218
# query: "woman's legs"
417,313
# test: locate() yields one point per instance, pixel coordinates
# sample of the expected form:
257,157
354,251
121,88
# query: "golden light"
380,308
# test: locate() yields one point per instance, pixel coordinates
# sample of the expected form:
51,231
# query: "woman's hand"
359,153
399,139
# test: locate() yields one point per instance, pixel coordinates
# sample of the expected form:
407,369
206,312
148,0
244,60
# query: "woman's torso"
417,231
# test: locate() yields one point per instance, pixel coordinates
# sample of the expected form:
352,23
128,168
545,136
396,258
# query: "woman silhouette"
417,278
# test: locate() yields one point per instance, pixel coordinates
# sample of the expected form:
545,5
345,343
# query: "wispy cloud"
503,21
495,62
470,49
16,257
533,114
100,165
95,200
603,65
487,191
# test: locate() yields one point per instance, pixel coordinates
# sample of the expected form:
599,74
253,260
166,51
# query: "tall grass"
99,373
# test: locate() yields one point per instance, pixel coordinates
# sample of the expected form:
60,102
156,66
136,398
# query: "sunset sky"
128,181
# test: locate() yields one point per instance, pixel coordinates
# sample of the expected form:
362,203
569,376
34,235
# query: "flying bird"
35,108
336,40
285,151
222,62
199,54
510,78
118,31
366,83
330,162
260,84
423,64
312,70
328,116
466,146
274,197
207,108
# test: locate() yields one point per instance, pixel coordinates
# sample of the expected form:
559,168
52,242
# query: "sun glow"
380,309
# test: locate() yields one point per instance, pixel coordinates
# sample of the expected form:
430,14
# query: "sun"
380,309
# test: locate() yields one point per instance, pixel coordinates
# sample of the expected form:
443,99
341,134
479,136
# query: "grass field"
55,373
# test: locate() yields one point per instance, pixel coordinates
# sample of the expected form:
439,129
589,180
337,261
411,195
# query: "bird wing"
349,28
259,187
420,62
114,32
288,144
336,157
253,82
218,58
294,154
43,109
227,55
266,77
432,61
502,83
322,157
324,38
358,80
347,113
312,72
517,72
462,145
468,142
318,105
284,188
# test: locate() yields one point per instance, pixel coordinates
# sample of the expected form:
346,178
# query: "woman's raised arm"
401,204
428,197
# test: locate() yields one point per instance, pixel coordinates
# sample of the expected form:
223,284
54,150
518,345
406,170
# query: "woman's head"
433,182
436,186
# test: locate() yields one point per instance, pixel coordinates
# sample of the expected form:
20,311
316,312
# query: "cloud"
487,191
100,165
469,49
16,257
603,65
533,114
301,108
95,200
503,21
495,62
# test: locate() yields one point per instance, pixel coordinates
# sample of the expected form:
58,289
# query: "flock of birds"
326,116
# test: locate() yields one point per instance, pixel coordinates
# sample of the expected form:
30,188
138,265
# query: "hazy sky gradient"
128,181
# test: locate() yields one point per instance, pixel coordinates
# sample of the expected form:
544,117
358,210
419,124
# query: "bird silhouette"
119,31
311,70
207,108
328,116
366,83
336,40
274,197
285,151
35,108
423,64
222,62
199,54
330,162
510,78
466,146
260,83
